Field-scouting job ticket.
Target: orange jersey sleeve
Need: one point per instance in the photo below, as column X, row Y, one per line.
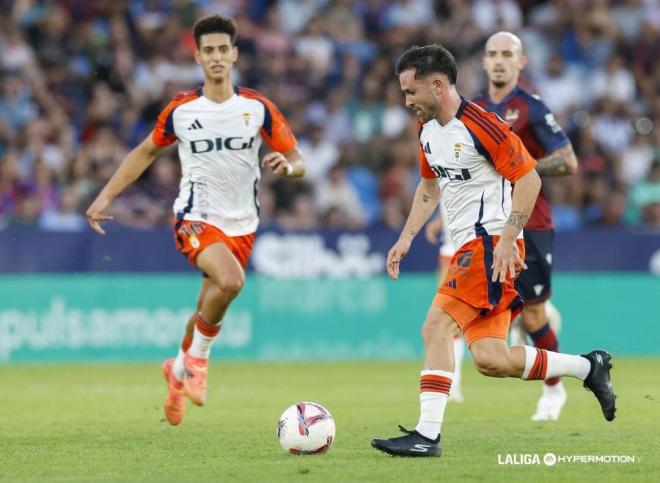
column 495, row 140
column 424, row 167
column 425, row 170
column 163, row 134
column 276, row 130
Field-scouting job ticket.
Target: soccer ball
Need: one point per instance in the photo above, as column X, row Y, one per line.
column 306, row 428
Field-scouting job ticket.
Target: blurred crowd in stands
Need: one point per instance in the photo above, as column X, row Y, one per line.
column 81, row 83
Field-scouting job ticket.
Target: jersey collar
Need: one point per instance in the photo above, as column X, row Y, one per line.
column 506, row 99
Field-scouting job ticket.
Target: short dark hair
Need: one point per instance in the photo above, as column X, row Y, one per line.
column 215, row 24
column 427, row 59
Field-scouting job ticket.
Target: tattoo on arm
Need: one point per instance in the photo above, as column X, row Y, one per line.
column 426, row 197
column 557, row 164
column 517, row 219
column 552, row 166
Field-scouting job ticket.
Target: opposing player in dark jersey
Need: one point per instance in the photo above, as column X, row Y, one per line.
column 219, row 129
column 536, row 126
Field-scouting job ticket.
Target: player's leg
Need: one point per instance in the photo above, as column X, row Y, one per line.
column 534, row 285
column 456, row 394
column 494, row 358
column 178, row 369
column 226, row 278
column 174, row 370
column 535, row 321
column 445, row 254
column 438, row 332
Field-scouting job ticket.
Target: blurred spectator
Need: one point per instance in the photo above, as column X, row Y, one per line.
column 615, row 81
column 393, row 215
column 395, row 116
column 316, row 48
column 611, row 126
column 408, row 13
column 636, row 160
column 559, row 88
column 645, row 197
column 338, row 200
column 494, row 15
column 66, row 216
column 321, row 154
column 17, row 107
column 82, row 82
column 366, row 110
column 27, row 208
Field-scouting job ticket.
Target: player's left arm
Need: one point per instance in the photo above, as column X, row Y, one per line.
column 562, row 160
column 286, row 159
column 290, row 164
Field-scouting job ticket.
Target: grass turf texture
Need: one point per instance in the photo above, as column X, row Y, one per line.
column 104, row 423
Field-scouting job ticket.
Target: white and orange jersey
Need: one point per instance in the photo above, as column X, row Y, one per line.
column 218, row 146
column 475, row 157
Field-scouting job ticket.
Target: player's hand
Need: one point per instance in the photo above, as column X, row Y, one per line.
column 433, row 230
column 278, row 163
column 395, row 255
column 506, row 258
column 95, row 215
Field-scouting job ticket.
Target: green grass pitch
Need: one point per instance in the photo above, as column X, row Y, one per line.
column 104, row 423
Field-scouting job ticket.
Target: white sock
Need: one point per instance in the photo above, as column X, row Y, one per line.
column 178, row 370
column 432, row 404
column 459, row 352
column 542, row 364
column 567, row 365
column 201, row 345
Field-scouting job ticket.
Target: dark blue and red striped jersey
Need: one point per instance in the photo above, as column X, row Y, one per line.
column 536, row 126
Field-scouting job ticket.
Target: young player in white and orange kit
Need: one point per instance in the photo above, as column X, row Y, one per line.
column 473, row 158
column 219, row 130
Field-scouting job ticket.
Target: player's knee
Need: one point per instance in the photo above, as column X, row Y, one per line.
column 435, row 328
column 232, row 285
column 533, row 317
column 490, row 364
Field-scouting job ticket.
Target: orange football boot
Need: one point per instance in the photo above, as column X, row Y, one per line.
column 195, row 381
column 175, row 401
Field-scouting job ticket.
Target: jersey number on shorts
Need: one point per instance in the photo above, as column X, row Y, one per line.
column 197, row 229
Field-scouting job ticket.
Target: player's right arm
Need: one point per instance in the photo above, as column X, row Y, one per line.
column 561, row 160
column 427, row 196
column 130, row 169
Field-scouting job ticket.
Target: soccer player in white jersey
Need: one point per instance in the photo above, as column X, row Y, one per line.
column 473, row 157
column 219, row 130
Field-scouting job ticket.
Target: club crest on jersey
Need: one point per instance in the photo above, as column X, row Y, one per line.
column 457, row 152
column 511, row 115
column 246, row 119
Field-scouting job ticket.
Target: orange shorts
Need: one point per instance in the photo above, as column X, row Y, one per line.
column 191, row 237
column 480, row 307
